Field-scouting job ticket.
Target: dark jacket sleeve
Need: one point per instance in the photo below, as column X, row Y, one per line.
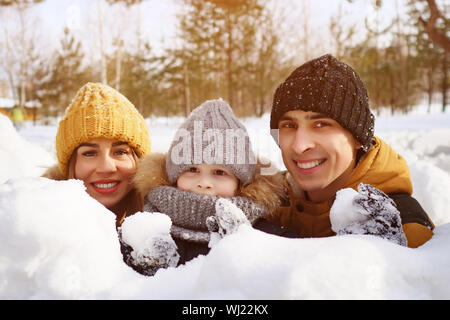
column 410, row 210
column 274, row 228
column 189, row 250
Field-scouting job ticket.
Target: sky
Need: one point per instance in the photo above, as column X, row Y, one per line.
column 158, row 18
column 156, row 21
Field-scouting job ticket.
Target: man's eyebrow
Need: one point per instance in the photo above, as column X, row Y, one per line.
column 287, row 118
column 309, row 116
column 316, row 116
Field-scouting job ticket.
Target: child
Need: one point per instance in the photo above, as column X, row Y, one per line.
column 203, row 165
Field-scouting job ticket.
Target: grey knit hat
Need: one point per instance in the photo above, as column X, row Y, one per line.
column 211, row 135
column 331, row 87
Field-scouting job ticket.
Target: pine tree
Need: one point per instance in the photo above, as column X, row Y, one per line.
column 140, row 81
column 431, row 59
column 228, row 49
column 66, row 75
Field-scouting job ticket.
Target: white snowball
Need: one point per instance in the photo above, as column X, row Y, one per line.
column 136, row 229
column 343, row 212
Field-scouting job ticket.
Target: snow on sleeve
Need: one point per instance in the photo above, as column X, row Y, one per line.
column 148, row 234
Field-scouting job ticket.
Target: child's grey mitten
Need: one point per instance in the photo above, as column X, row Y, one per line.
column 227, row 219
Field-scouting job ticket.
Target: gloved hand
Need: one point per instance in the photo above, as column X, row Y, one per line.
column 227, row 218
column 368, row 211
column 147, row 246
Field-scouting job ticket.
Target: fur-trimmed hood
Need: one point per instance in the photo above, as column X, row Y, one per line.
column 264, row 189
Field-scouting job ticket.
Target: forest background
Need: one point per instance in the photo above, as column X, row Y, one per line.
column 239, row 50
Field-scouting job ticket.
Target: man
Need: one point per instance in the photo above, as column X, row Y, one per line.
column 323, row 125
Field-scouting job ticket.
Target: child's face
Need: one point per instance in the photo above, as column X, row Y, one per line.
column 210, row 180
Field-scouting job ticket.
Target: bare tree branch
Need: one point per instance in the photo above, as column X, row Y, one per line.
column 435, row 35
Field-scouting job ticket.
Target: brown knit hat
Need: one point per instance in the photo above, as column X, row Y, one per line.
column 211, row 129
column 100, row 111
column 331, row 87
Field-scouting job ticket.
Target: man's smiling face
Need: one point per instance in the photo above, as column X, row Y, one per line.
column 317, row 151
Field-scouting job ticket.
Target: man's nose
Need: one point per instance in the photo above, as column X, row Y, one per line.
column 303, row 141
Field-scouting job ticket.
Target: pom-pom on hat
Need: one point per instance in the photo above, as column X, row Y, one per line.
column 99, row 111
column 211, row 135
column 331, row 87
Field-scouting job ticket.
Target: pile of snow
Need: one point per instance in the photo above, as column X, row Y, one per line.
column 58, row 243
column 20, row 158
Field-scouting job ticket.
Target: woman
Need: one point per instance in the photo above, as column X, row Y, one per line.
column 99, row 141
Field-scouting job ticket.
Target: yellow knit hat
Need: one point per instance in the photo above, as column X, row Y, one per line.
column 99, row 111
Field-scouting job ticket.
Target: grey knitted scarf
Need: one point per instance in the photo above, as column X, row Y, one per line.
column 189, row 211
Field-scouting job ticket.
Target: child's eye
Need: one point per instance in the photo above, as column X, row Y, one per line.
column 219, row 172
column 193, row 169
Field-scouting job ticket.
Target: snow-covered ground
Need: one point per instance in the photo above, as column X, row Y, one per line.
column 58, row 243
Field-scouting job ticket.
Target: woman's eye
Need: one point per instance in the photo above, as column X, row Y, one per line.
column 89, row 153
column 121, row 152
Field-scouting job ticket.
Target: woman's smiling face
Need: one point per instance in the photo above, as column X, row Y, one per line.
column 106, row 167
column 318, row 152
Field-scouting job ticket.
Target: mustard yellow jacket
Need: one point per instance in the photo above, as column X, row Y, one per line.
column 382, row 168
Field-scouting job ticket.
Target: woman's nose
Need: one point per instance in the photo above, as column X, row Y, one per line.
column 106, row 164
